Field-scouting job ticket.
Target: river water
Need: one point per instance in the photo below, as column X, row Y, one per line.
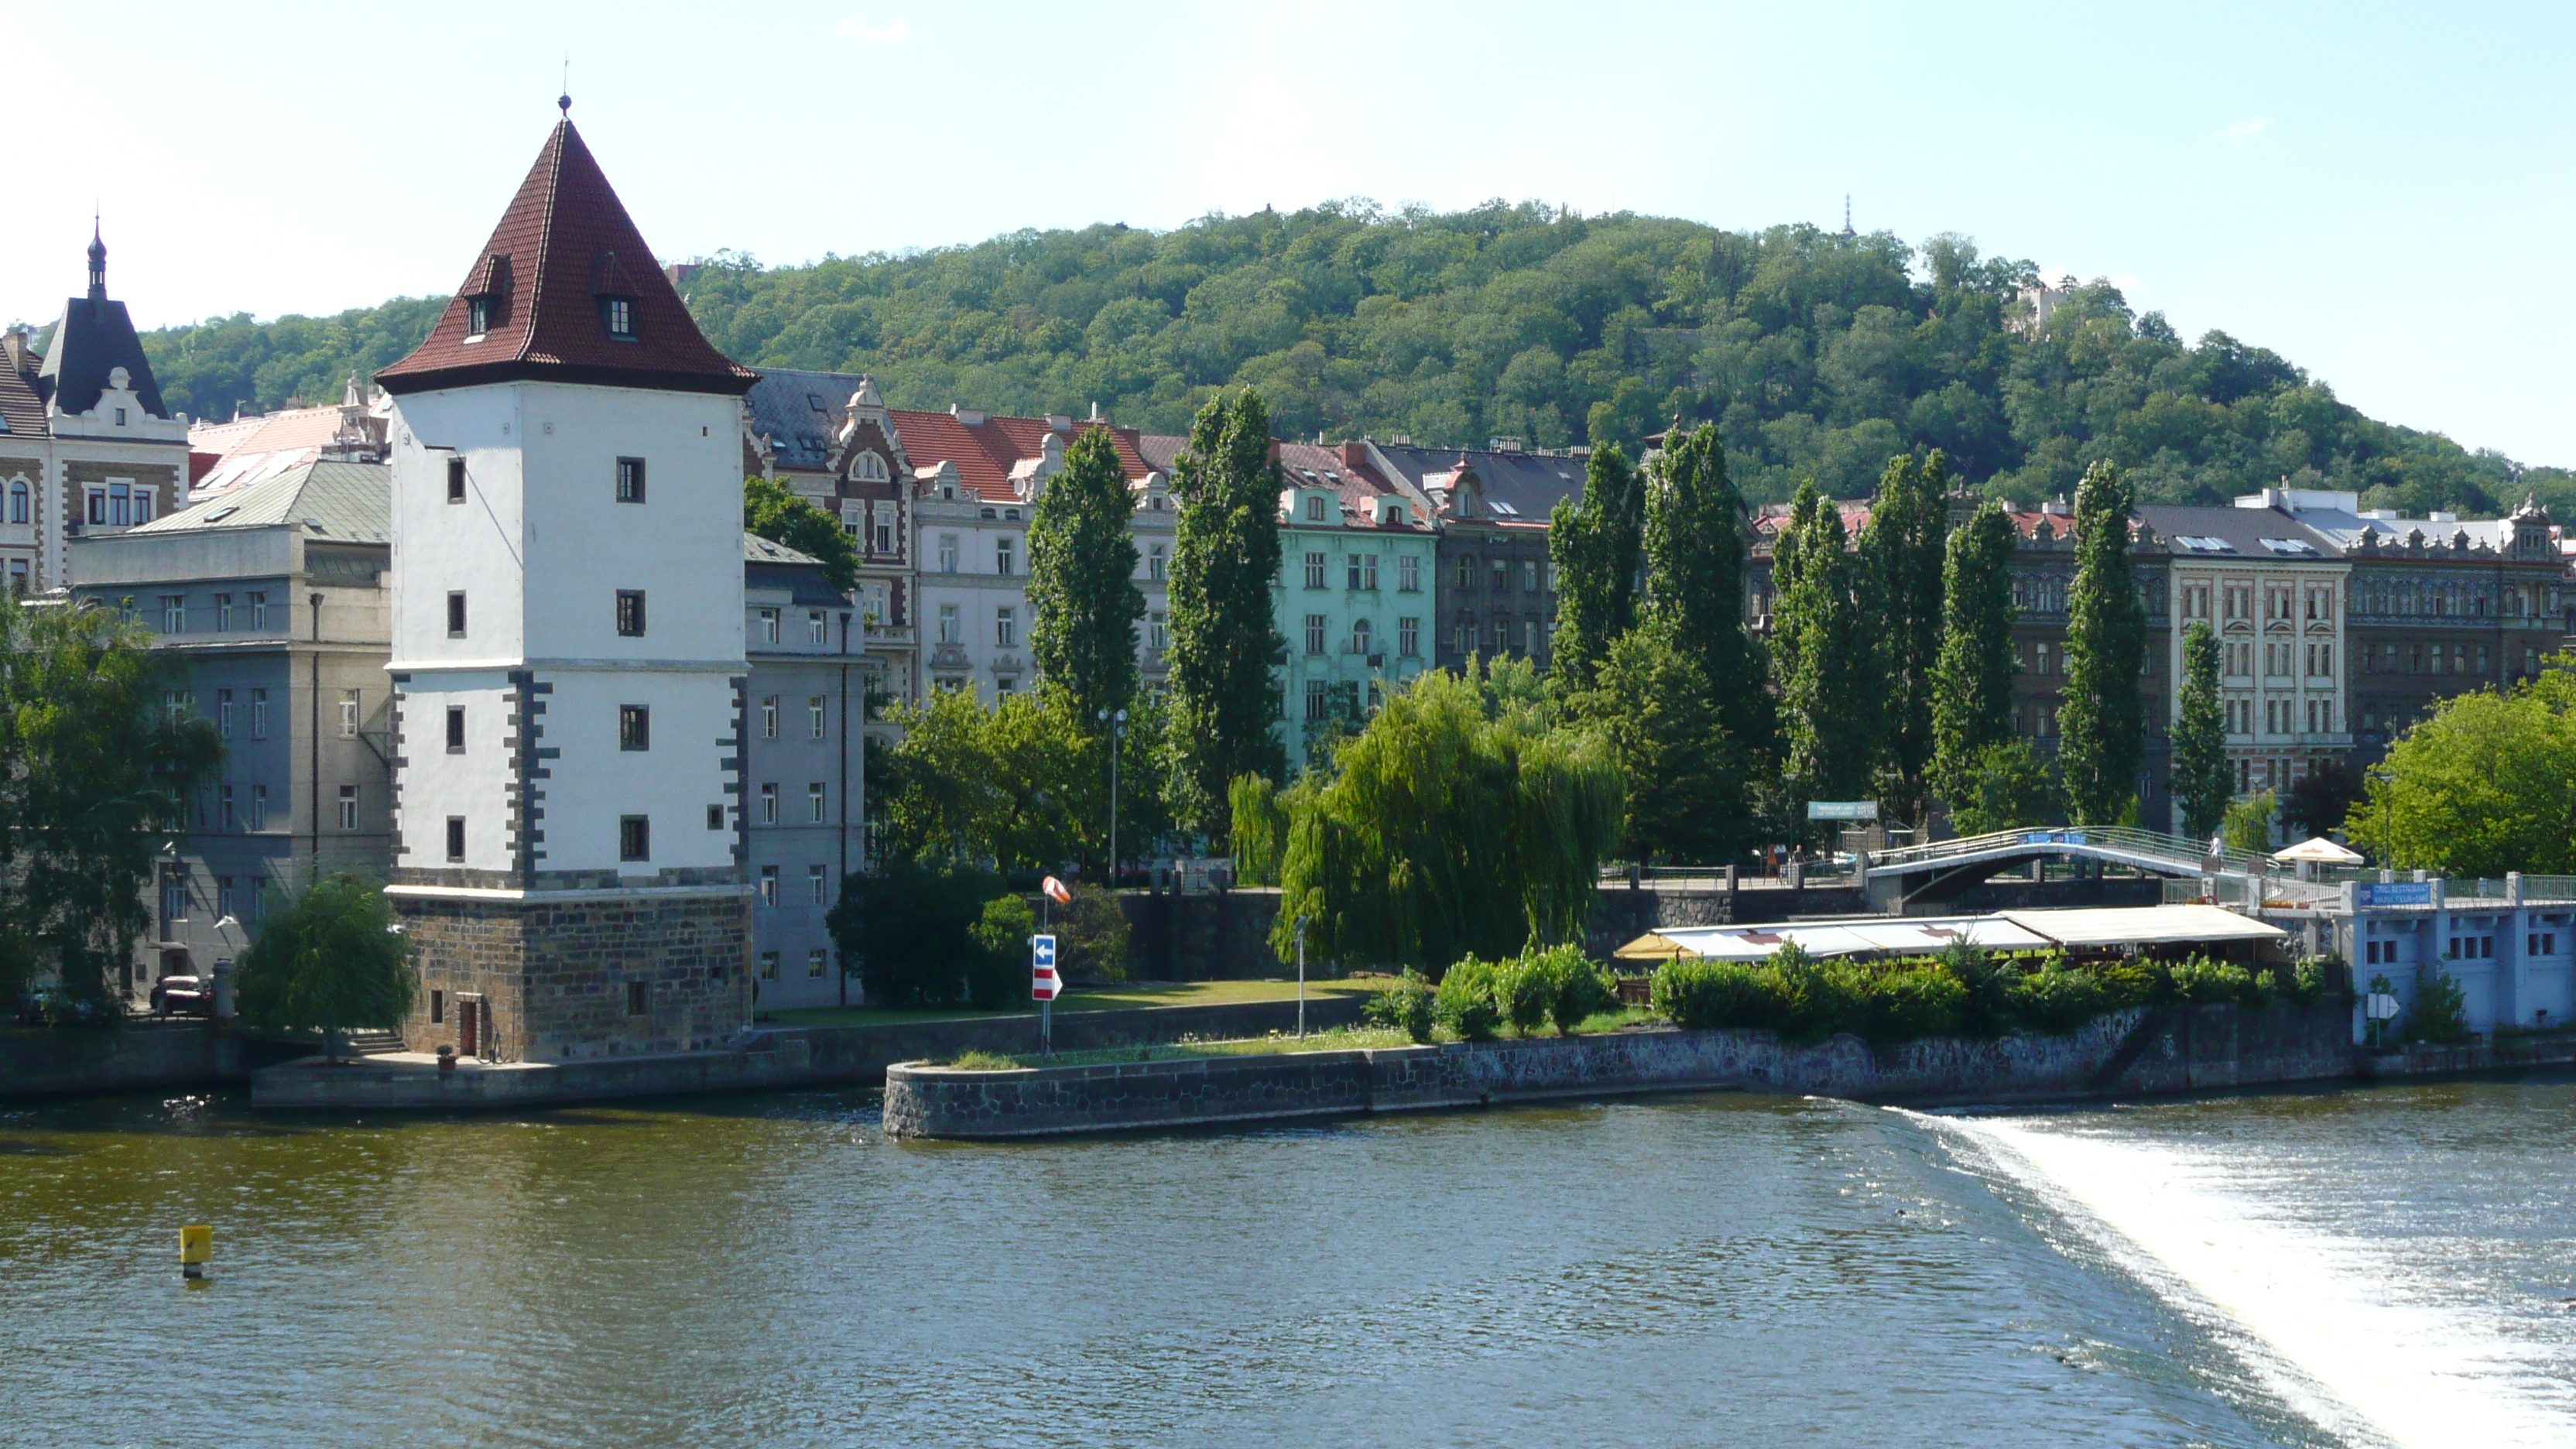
column 2387, row 1266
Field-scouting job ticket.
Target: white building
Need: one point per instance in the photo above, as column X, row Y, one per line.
column 567, row 635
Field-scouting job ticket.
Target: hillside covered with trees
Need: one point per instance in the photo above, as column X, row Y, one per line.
column 1816, row 355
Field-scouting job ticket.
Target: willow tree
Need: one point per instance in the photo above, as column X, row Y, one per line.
column 330, row 962
column 1694, row 544
column 1083, row 599
column 2201, row 779
column 1595, row 541
column 2101, row 723
column 1455, row 827
column 1225, row 556
column 1972, row 680
column 1901, row 551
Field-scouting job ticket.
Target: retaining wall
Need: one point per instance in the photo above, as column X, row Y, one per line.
column 133, row 1054
column 2142, row 1050
column 818, row 1056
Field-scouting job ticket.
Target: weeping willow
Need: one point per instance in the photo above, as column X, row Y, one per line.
column 1260, row 814
column 1453, row 827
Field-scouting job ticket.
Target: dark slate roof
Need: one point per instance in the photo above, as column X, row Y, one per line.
column 564, row 243
column 94, row 338
column 799, row 411
column 1527, row 482
column 2243, row 532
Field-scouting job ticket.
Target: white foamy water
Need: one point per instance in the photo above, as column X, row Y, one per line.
column 2348, row 1332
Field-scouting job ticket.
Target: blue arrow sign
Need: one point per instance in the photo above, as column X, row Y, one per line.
column 1042, row 953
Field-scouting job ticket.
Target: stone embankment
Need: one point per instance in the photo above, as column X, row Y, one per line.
column 131, row 1056
column 813, row 1056
column 2137, row 1051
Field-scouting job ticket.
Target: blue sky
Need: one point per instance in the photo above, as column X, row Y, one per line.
column 2377, row 192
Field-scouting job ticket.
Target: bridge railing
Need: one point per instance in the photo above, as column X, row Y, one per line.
column 2177, row 850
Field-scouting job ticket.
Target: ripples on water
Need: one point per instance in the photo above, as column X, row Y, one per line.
column 1721, row 1271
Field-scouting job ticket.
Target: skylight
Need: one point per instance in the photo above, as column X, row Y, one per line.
column 1505, row 509
column 2291, row 546
column 2205, row 544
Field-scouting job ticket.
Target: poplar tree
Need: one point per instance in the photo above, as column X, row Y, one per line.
column 1901, row 558
column 1972, row 679
column 1225, row 557
column 1595, row 543
column 1832, row 697
column 2202, row 782
column 2101, row 721
column 1083, row 599
column 1694, row 543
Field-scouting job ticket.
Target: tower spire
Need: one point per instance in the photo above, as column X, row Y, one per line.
column 563, row 102
column 1847, row 226
column 97, row 261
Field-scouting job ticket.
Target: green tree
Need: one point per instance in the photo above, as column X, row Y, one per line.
column 2202, row 781
column 1694, row 543
column 1083, row 598
column 1901, row 554
column 2247, row 825
column 1224, row 704
column 1972, row 679
column 95, row 768
column 2484, row 785
column 1091, row 936
column 2006, row 786
column 332, row 961
column 1016, row 785
column 909, row 930
column 1596, row 542
column 2101, row 724
column 1260, row 813
column 1833, row 698
column 773, row 510
column 1654, row 707
column 1458, row 825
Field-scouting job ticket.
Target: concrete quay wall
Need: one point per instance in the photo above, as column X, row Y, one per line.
column 129, row 1056
column 2137, row 1051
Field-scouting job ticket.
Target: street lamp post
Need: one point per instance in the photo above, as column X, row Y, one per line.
column 1117, row 734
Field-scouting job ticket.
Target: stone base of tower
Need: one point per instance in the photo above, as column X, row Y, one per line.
column 579, row 975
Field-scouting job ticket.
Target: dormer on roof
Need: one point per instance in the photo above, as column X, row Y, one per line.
column 566, row 291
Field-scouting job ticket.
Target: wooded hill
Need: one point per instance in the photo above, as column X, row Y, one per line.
column 1818, row 355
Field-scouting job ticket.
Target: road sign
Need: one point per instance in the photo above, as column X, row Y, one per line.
column 1043, row 982
column 2380, row 1006
column 1842, row 810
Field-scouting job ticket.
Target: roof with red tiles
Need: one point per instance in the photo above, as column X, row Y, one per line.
column 563, row 248
column 1345, row 470
column 985, row 448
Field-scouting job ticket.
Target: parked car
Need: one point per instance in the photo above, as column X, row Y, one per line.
column 183, row 996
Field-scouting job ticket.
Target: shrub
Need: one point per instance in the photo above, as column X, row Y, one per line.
column 330, row 961
column 997, row 961
column 1091, row 936
column 1985, row 1003
column 1576, row 987
column 1699, row 995
column 908, row 927
column 1799, row 999
column 2056, row 997
column 2130, row 983
column 1523, row 990
column 1404, row 1006
column 1897, row 1002
column 2203, row 982
column 2441, row 1009
column 1465, row 1001
column 2316, row 978
column 982, row 1061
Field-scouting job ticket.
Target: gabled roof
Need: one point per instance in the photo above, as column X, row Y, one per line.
column 564, row 244
column 22, row 412
column 1360, row 489
column 343, row 502
column 2263, row 534
column 986, row 449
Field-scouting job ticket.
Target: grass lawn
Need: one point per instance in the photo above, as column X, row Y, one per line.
column 1121, row 997
column 1340, row 1039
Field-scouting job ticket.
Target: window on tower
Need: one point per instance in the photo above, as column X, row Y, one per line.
column 630, row 613
column 634, row 837
column 456, row 729
column 456, row 838
column 456, row 614
column 455, row 480
column 630, row 480
column 634, row 727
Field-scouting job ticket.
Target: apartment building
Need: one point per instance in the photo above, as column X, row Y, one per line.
column 1357, row 591
column 1497, row 585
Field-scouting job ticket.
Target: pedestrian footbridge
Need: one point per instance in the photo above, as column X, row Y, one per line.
column 1939, row 871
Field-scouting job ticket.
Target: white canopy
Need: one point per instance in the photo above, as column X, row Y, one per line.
column 1928, row 935
column 2319, row 850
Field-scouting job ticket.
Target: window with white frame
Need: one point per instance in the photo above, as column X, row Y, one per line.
column 818, row 627
column 768, row 802
column 769, row 716
column 174, row 613
column 1315, row 570
column 1408, row 637
column 814, row 713
column 1314, row 633
column 1408, row 574
column 948, row 624
column 814, row 891
column 814, row 803
column 1154, row 562
column 1006, row 627
column 1362, row 637
column 1004, row 551
column 948, row 553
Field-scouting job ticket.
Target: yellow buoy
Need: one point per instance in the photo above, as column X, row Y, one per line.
column 196, row 1249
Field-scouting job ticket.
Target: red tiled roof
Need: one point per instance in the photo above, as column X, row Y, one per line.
column 1346, row 472
column 568, row 241
column 985, row 452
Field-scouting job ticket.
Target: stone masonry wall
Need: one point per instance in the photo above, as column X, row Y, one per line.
column 556, row 975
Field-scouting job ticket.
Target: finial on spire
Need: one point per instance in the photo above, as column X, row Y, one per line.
column 563, row 102
column 1847, row 226
column 97, row 260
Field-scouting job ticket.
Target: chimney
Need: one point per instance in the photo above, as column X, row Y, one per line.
column 1059, row 422
column 14, row 343
column 1355, row 455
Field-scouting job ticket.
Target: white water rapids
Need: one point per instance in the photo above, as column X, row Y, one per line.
column 2346, row 1331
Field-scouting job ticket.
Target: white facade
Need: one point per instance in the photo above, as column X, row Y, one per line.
column 545, row 564
column 2282, row 659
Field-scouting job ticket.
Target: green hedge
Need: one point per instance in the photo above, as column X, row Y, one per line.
column 1962, row 992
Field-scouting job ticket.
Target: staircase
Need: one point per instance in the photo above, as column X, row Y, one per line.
column 374, row 1043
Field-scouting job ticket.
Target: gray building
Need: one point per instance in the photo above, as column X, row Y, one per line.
column 274, row 595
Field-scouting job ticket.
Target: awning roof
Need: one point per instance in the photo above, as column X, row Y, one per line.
column 1928, row 935
column 2320, row 850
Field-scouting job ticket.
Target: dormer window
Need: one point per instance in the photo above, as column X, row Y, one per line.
column 485, row 296
column 871, row 469
column 1314, row 508
column 617, row 314
column 478, row 317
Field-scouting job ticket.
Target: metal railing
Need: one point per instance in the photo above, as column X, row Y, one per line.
column 2174, row 850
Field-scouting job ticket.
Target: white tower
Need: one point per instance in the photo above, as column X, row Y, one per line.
column 567, row 645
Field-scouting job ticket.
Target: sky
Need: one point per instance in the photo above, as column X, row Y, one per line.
column 2374, row 191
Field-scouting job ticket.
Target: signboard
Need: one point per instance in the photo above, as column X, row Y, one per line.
column 2379, row 1006
column 2397, row 893
column 1043, row 982
column 1842, row 810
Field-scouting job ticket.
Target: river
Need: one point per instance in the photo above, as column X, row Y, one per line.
column 2382, row 1266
